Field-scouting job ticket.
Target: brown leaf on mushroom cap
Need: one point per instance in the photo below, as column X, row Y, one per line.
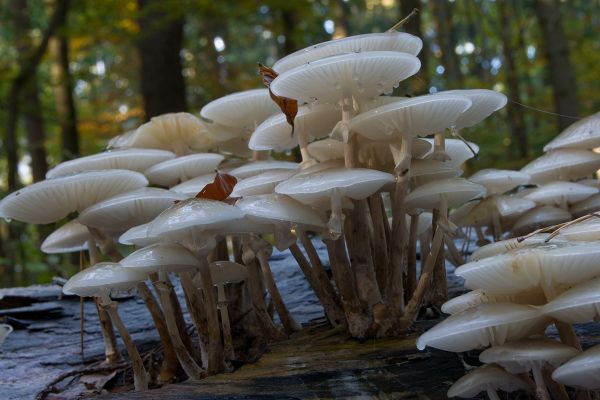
column 219, row 189
column 288, row 106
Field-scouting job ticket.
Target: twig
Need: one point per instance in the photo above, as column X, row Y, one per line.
column 50, row 388
column 403, row 21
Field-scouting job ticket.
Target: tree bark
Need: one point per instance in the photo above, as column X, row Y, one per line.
column 515, row 116
column 446, row 38
column 560, row 70
column 420, row 83
column 63, row 91
column 159, row 45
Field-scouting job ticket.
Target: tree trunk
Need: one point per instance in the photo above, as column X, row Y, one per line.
column 159, row 44
column 27, row 69
column 63, row 91
column 446, row 38
column 420, row 83
column 560, row 70
column 515, row 116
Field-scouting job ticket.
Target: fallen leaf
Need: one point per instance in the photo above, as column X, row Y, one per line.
column 288, row 106
column 219, row 189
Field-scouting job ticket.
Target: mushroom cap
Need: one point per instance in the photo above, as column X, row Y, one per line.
column 181, row 133
column 103, row 276
column 551, row 266
column 554, row 193
column 508, row 209
column 425, row 171
column 280, row 210
column 524, row 355
column 138, row 236
column 50, row 200
column 507, row 245
column 355, row 183
column 587, row 206
column 262, row 183
column 257, row 167
column 194, row 218
column 422, row 115
column 456, row 190
column 360, row 75
column 540, row 217
column 275, row 133
column 584, row 231
column 120, row 141
column 486, row 377
column 498, row 181
column 485, row 102
column 326, row 150
column 583, row 134
column 171, row 172
column 221, row 133
column 582, row 371
column 484, row 325
column 70, row 237
column 193, row 186
column 237, row 147
column 387, row 41
column 245, row 109
column 131, row 159
column 457, row 150
column 576, row 305
column 511, row 206
column 223, row 272
column 168, row 257
column 129, row 209
column 562, row 164
column 534, row 297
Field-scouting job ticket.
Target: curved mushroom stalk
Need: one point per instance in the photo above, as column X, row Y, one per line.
column 439, row 148
column 187, row 362
column 263, row 250
column 307, row 160
column 496, row 223
column 140, row 376
column 492, row 394
column 541, row 390
column 336, row 220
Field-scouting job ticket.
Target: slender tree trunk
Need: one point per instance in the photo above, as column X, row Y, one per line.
column 561, row 73
column 515, row 116
column 420, row 83
column 159, row 44
column 27, row 69
column 446, row 38
column 63, row 90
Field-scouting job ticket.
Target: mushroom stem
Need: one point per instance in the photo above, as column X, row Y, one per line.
column 492, row 394
column 496, row 223
column 456, row 258
column 215, row 348
column 289, row 324
column 187, row 362
column 413, row 306
column 541, row 391
column 439, row 147
column 337, row 218
column 196, row 309
column 399, row 234
column 258, row 302
column 440, row 284
column 481, row 240
column 358, row 322
column 347, row 113
column 411, row 265
column 108, row 334
column 565, row 331
column 425, row 248
column 227, row 339
column 379, row 240
column 140, row 376
column 333, row 311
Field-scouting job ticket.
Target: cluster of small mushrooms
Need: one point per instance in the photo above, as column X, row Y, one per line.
column 370, row 186
column 542, row 269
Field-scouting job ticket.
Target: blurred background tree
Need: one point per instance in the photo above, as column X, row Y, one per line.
column 74, row 73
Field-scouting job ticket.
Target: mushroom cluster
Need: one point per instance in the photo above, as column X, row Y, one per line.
column 369, row 186
column 521, row 286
